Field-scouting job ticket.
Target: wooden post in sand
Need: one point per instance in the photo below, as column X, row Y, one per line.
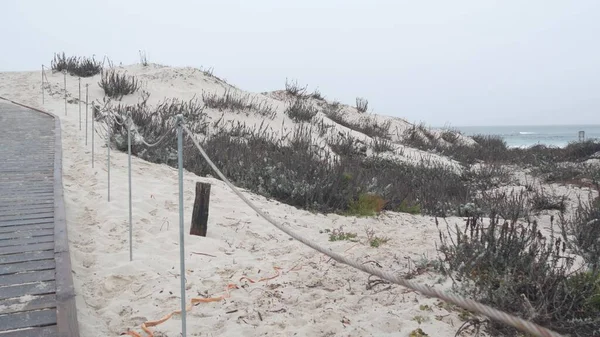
column 200, row 212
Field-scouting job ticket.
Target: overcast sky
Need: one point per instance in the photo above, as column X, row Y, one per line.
column 441, row 62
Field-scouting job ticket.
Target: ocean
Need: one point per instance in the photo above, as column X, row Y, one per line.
column 525, row 136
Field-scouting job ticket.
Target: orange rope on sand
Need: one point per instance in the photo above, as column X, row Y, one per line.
column 277, row 274
column 195, row 301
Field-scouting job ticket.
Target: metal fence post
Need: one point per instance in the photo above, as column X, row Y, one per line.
column 79, row 101
column 65, row 72
column 130, row 207
column 86, row 113
column 181, row 236
column 43, row 99
column 108, row 127
column 93, row 132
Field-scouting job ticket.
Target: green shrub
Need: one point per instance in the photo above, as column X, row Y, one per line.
column 405, row 207
column 582, row 281
column 417, row 333
column 340, row 235
column 366, row 205
column 377, row 241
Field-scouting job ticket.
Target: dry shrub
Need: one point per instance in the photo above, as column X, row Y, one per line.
column 294, row 89
column 362, row 104
column 541, row 201
column 289, row 167
column 76, row 66
column 235, row 101
column 582, row 231
column 301, row 111
column 317, row 95
column 382, row 145
column 346, row 145
column 512, row 267
column 366, row 125
column 450, row 136
column 414, row 137
column 486, row 176
column 143, row 58
column 116, row 84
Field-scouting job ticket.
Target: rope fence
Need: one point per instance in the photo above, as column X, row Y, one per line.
column 182, row 130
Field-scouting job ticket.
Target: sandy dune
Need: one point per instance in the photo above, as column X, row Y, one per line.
column 312, row 296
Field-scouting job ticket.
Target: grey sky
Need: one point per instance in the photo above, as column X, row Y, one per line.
column 458, row 62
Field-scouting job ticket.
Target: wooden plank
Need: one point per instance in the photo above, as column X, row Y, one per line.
column 27, row 209
column 25, row 228
column 39, row 288
column 9, row 206
column 20, row 198
column 27, row 256
column 25, row 186
column 41, row 181
column 27, row 277
column 12, row 268
column 26, row 248
column 4, row 191
column 47, row 331
column 26, row 241
column 22, row 195
column 30, row 178
column 13, row 202
column 28, row 319
column 27, row 216
column 25, row 234
column 28, row 303
column 26, row 222
column 10, row 190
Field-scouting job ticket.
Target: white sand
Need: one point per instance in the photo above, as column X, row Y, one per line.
column 320, row 298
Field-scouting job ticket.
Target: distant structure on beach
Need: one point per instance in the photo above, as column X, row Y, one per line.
column 581, row 136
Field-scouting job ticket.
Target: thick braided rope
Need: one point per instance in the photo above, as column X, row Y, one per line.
column 129, row 121
column 141, row 139
column 468, row 304
column 163, row 137
column 118, row 123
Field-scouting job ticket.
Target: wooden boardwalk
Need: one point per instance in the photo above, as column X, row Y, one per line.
column 36, row 286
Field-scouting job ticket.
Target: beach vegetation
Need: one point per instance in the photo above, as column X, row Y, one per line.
column 76, row 66
column 118, row 84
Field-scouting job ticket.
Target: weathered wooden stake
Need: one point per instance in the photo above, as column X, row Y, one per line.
column 200, row 213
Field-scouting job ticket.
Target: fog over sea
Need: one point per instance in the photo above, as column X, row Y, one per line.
column 525, row 136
